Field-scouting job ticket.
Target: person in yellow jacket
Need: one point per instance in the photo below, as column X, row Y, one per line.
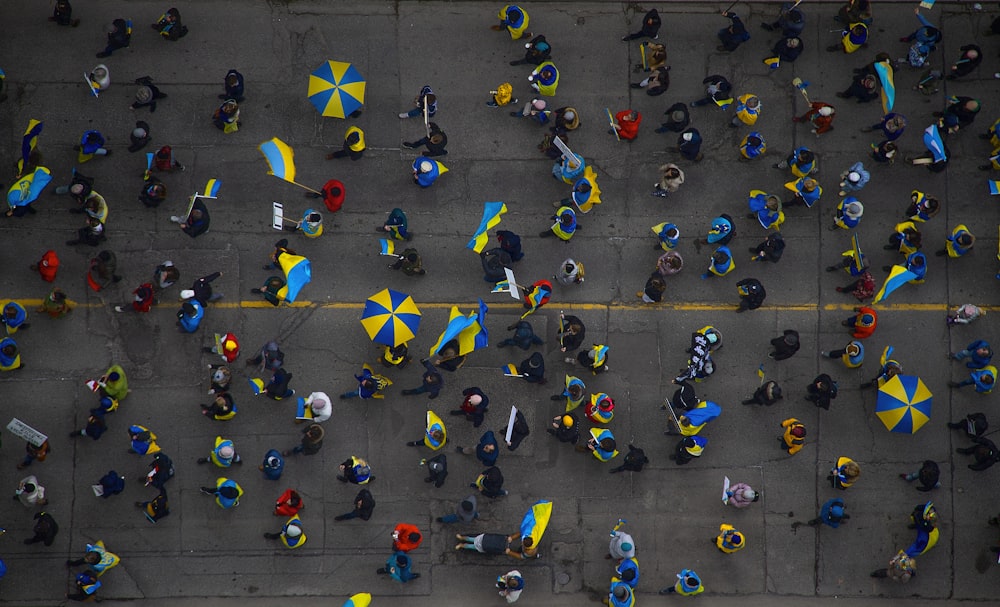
column 747, row 110
column 729, row 539
column 354, row 145
column 794, row 437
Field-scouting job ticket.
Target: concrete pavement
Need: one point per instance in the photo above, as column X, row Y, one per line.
column 201, row 552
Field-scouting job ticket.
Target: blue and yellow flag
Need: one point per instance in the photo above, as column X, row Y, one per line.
column 491, row 217
column 773, row 62
column 298, row 273
column 994, row 187
column 279, row 157
column 898, row 277
column 29, row 142
column 475, row 336
column 888, row 92
column 388, row 247
column 457, row 323
column 502, row 287
column 510, row 370
column 595, row 192
column 212, row 188
column 536, row 521
column 857, row 257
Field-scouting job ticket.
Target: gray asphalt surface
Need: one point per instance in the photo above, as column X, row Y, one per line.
column 205, row 554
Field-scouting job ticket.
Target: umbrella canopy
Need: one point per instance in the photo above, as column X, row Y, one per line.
column 390, row 318
column 362, row 599
column 336, row 89
column 904, row 404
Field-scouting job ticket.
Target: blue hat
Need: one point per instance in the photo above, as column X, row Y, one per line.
column 836, row 512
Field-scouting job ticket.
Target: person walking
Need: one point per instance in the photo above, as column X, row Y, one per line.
column 785, row 346
column 364, row 506
column 832, row 513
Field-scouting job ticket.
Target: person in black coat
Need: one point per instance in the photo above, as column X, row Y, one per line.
column 572, row 332
column 519, row 432
column 752, row 294
column 770, row 250
column 822, row 390
column 118, row 37
column 651, row 23
column 364, row 505
column 45, row 529
column 533, row 369
column 983, row 450
column 785, row 346
column 635, row 459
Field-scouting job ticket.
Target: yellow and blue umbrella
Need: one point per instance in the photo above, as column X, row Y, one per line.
column 361, row 599
column 390, row 318
column 298, row 273
column 536, row 521
column 336, row 89
column 904, row 404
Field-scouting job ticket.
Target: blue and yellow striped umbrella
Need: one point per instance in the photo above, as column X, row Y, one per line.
column 336, row 89
column 904, row 404
column 390, row 318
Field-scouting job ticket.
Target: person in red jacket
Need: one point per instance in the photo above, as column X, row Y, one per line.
column 821, row 115
column 863, row 322
column 627, row 124
column 288, row 504
column 406, row 537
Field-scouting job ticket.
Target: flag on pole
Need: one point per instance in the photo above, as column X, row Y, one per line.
column 994, row 188
column 898, row 276
column 760, row 373
column 510, row 422
column 280, row 158
column 510, row 370
column 491, row 217
column 888, row 92
column 212, row 188
column 388, row 247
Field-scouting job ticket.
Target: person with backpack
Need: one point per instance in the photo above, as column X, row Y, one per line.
column 119, row 36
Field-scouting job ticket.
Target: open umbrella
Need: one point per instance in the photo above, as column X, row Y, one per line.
column 336, row 89
column 390, row 318
column 904, row 404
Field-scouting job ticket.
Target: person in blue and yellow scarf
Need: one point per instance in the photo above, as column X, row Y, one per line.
column 729, row 539
column 354, row 145
column 292, row 536
column 565, row 225
column 514, row 19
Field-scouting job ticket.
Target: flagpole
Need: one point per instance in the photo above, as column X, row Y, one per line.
column 304, row 187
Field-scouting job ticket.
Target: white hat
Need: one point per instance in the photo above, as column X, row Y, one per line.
column 569, row 115
column 293, row 531
column 687, row 136
column 475, row 399
column 825, row 110
column 187, row 294
column 226, row 452
column 139, row 133
column 853, row 177
column 538, row 104
column 426, row 166
column 749, row 493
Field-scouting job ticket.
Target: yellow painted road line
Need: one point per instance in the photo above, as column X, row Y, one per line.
column 614, row 307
